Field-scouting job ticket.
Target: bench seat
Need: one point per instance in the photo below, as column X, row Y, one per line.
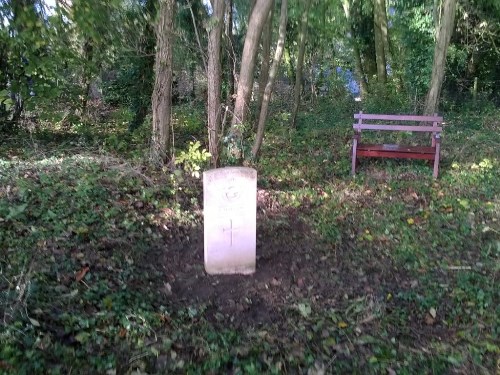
column 396, row 151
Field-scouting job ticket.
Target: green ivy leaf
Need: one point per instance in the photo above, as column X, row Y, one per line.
column 82, row 337
column 15, row 211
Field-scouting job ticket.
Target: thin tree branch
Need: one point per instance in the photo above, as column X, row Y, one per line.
column 203, row 57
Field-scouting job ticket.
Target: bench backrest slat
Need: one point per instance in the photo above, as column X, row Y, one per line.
column 410, row 128
column 369, row 116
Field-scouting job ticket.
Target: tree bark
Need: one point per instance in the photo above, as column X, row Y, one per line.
column 385, row 31
column 88, row 49
column 141, row 98
column 436, row 16
column 231, row 72
column 300, row 62
column 379, row 15
column 214, row 79
column 264, row 67
column 443, row 34
column 358, row 66
column 270, row 82
column 256, row 24
column 162, row 92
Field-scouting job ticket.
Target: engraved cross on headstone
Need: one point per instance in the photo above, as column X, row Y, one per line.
column 231, row 229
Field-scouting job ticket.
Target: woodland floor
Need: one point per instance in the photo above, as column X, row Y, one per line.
column 101, row 258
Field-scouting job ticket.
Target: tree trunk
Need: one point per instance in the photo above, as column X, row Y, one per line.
column 88, row 50
column 256, row 24
column 300, row 62
column 264, row 67
column 358, row 66
column 231, row 71
column 379, row 15
column 443, row 39
column 270, row 82
column 385, row 32
column 290, row 72
column 162, row 92
column 214, row 80
column 141, row 97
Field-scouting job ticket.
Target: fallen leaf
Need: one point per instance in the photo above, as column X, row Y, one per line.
column 72, row 294
column 304, row 309
column 410, row 221
column 342, row 324
column 34, row 322
column 81, row 274
column 300, row 282
column 167, row 289
column 275, row 282
column 82, row 230
column 429, row 320
column 432, row 312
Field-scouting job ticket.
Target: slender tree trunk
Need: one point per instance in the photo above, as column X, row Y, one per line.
column 214, row 79
column 312, row 78
column 272, row 78
column 300, row 61
column 358, row 66
column 197, row 35
column 358, row 70
column 264, row 67
column 88, row 50
column 369, row 59
column 385, row 31
column 231, row 71
column 141, row 98
column 19, row 8
column 443, row 39
column 256, row 24
column 378, row 22
column 162, row 92
column 288, row 64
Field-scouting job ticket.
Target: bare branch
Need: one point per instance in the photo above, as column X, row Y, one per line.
column 203, row 57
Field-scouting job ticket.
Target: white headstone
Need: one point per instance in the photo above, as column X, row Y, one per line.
column 230, row 213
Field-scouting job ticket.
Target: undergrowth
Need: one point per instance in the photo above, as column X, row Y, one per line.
column 414, row 262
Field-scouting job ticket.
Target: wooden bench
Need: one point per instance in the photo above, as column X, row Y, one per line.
column 403, row 123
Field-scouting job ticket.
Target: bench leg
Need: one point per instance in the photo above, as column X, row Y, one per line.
column 436, row 158
column 354, row 156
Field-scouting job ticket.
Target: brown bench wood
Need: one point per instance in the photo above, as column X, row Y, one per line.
column 393, row 150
